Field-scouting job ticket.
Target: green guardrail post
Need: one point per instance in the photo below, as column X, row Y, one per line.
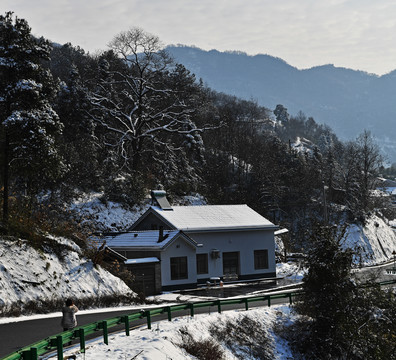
column 81, row 335
column 290, row 298
column 59, row 347
column 30, row 354
column 191, row 309
column 33, row 353
column 169, row 311
column 219, row 306
column 246, row 304
column 105, row 332
column 148, row 315
column 269, row 300
column 126, row 322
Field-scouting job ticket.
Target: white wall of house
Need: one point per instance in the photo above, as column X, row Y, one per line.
column 244, row 242
column 178, row 248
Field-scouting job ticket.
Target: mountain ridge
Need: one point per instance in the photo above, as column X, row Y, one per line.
column 347, row 100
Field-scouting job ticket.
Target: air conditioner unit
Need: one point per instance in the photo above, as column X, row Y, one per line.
column 215, row 254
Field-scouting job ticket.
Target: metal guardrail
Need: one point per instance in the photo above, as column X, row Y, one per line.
column 33, row 351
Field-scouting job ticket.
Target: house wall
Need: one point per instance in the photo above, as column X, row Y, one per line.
column 178, row 248
column 244, row 242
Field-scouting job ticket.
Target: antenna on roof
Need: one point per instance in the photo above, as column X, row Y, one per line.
column 159, row 198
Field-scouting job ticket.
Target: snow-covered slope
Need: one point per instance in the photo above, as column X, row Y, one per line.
column 89, row 210
column 28, row 275
column 375, row 241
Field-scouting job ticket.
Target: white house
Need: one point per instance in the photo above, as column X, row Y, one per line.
column 193, row 244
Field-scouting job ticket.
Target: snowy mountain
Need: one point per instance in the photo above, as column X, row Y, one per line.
column 348, row 101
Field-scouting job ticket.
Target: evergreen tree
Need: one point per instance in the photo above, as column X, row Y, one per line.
column 328, row 293
column 28, row 123
column 281, row 114
column 78, row 147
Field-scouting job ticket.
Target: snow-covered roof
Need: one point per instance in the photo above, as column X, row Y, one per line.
column 141, row 261
column 145, row 239
column 214, row 217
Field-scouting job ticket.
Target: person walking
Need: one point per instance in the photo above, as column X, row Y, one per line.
column 69, row 320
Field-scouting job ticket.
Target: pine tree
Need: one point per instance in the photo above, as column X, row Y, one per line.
column 28, row 123
column 78, row 146
column 328, row 292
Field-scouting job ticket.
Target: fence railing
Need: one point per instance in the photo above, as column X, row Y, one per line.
column 56, row 342
column 31, row 352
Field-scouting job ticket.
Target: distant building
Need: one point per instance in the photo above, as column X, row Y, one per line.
column 387, row 188
column 178, row 247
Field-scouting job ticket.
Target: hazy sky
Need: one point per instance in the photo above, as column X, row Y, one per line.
column 357, row 34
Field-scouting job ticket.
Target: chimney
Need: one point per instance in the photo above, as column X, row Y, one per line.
column 161, row 234
column 159, row 198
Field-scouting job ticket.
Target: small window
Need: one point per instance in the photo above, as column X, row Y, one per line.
column 202, row 264
column 260, row 259
column 179, row 268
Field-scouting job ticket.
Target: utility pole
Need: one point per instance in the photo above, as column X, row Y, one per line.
column 394, row 260
column 325, row 216
column 5, row 179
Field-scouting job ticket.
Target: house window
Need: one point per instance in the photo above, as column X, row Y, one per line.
column 178, row 268
column 202, row 264
column 260, row 259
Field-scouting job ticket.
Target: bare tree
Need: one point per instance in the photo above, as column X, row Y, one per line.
column 370, row 162
column 134, row 103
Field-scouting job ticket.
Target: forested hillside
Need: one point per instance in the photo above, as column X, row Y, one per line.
column 130, row 119
column 347, row 100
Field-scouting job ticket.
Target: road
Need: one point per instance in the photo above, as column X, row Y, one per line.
column 14, row 336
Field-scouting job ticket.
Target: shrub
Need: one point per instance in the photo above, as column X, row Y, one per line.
column 246, row 337
column 203, row 349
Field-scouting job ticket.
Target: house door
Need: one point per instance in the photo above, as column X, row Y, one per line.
column 231, row 263
column 144, row 278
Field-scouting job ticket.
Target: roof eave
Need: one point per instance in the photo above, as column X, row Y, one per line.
column 137, row 248
column 227, row 228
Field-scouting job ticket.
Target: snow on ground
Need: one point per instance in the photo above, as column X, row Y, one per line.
column 376, row 241
column 30, row 275
column 161, row 342
column 293, row 271
column 90, row 210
